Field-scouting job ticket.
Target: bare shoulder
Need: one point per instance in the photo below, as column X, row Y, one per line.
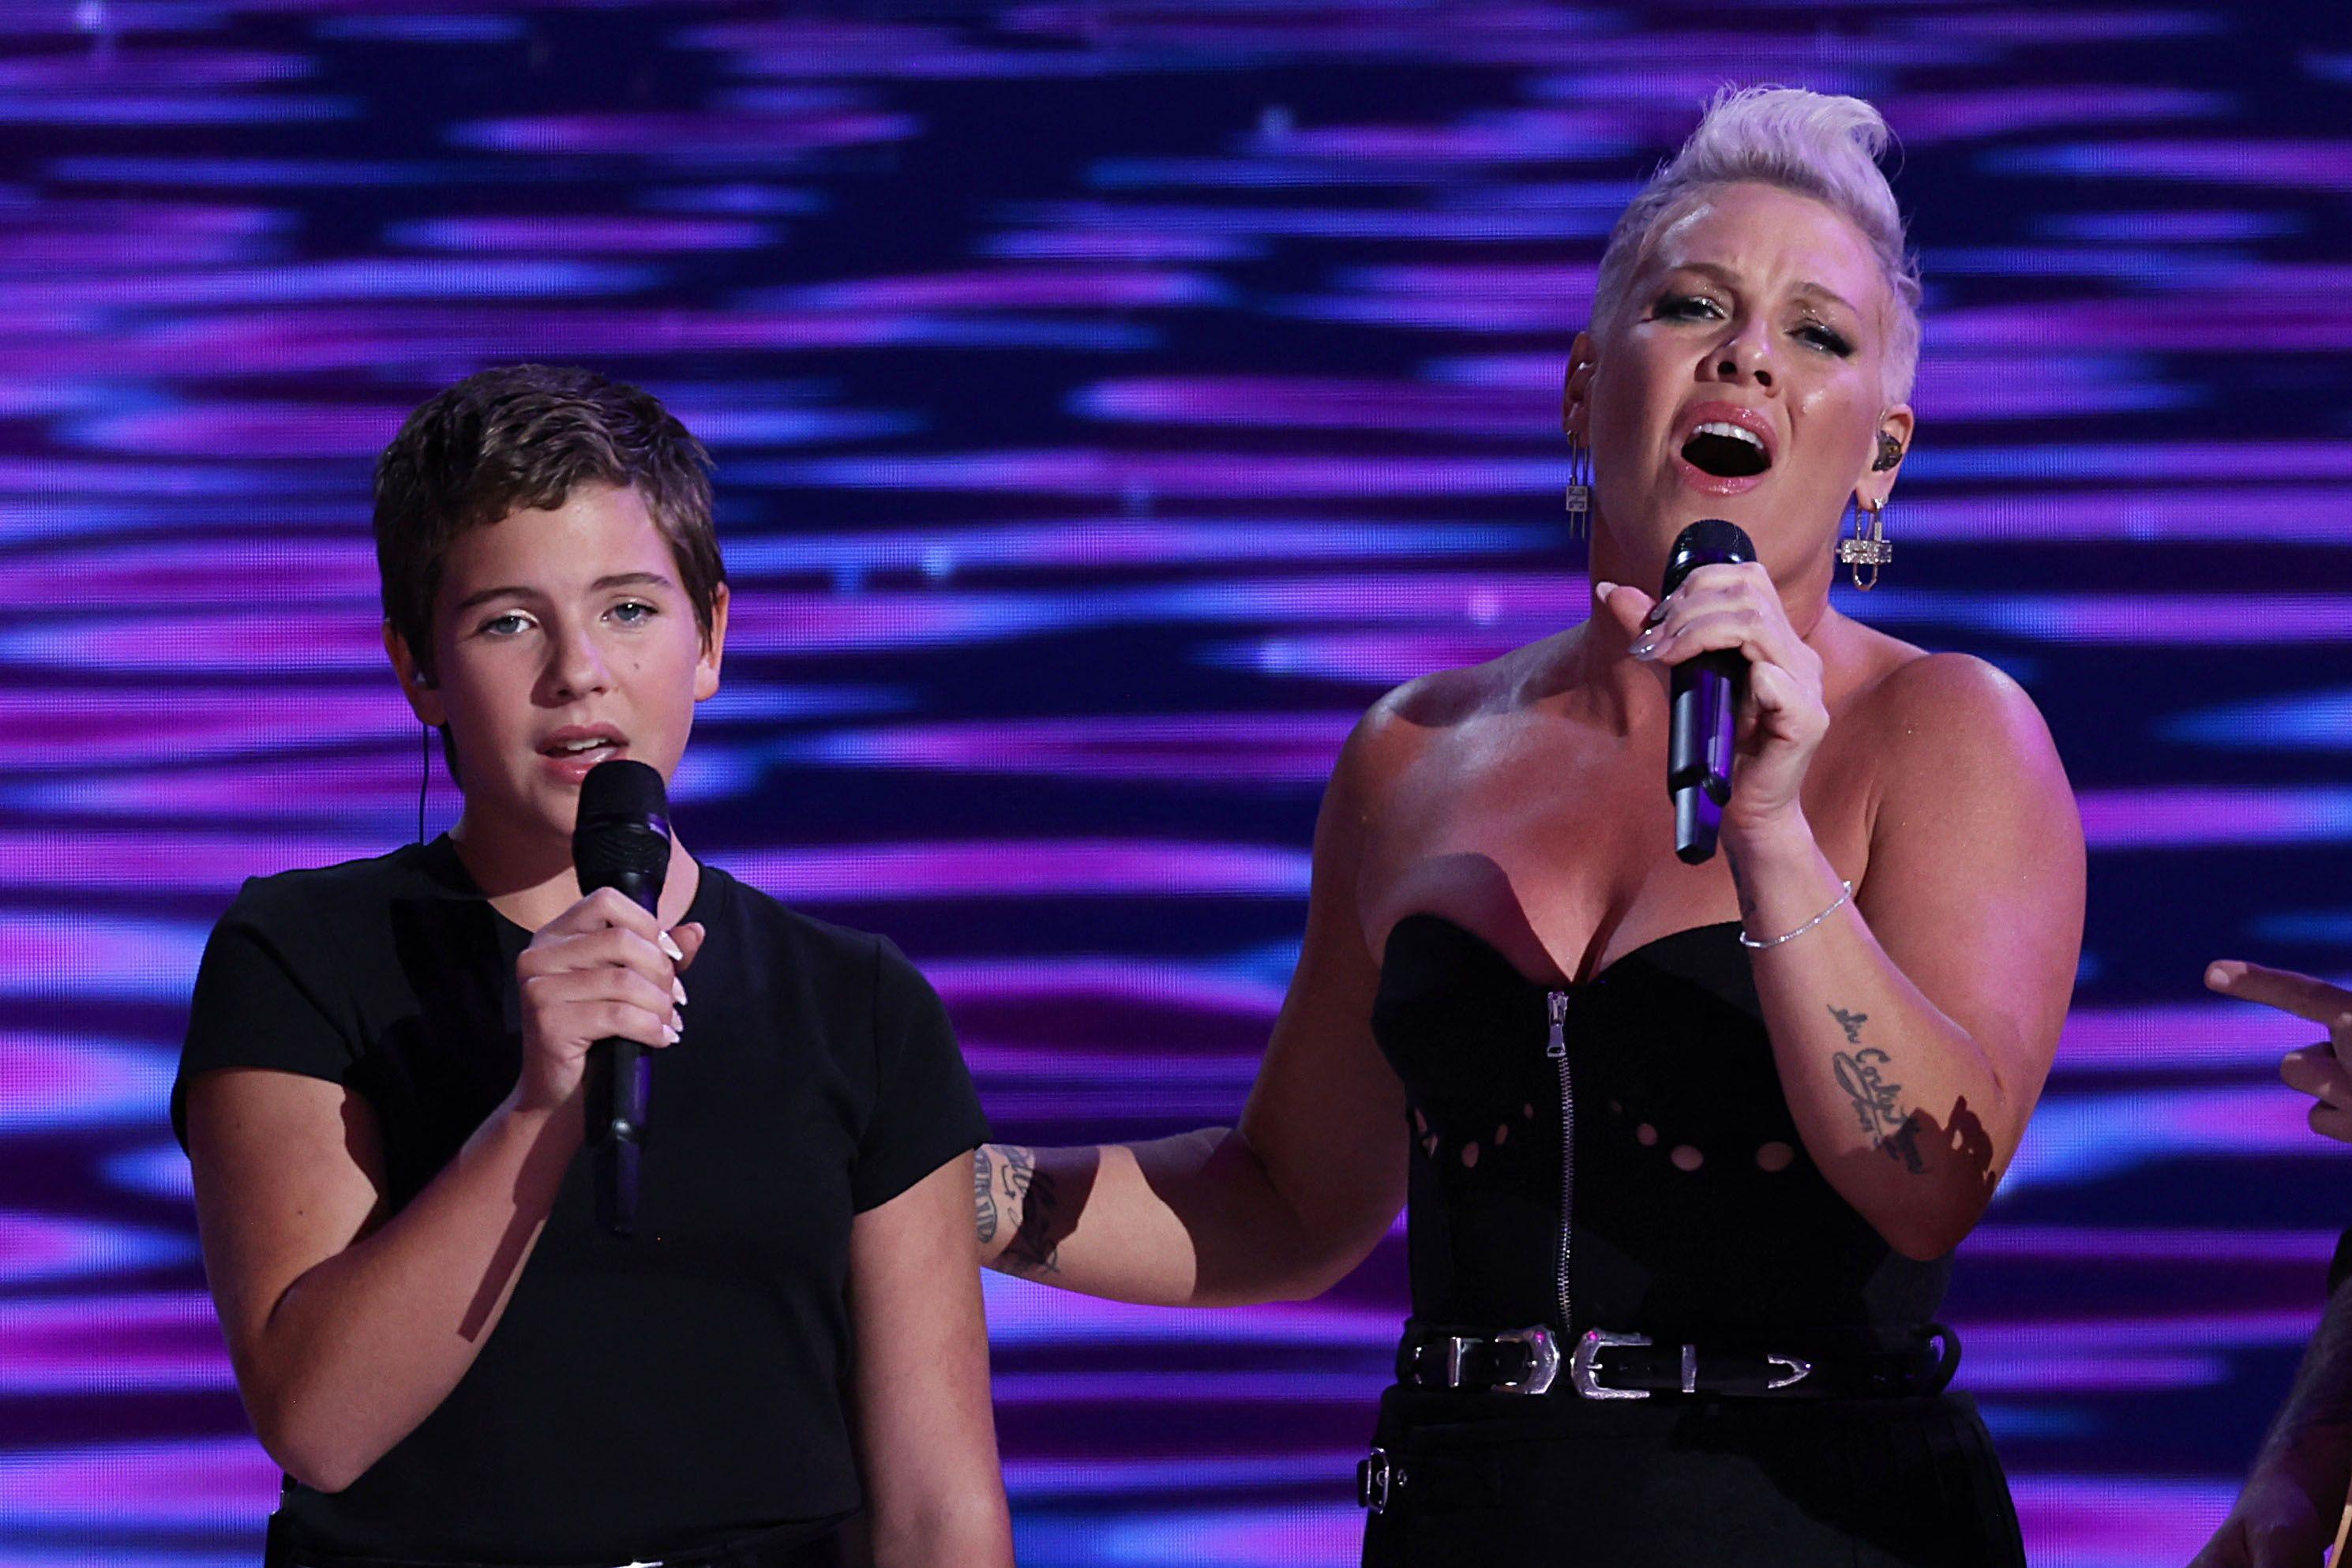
column 1950, row 705
column 1428, row 718
column 1937, row 727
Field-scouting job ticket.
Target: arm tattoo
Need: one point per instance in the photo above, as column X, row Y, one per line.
column 983, row 1195
column 1007, row 1185
column 1033, row 1250
column 1877, row 1106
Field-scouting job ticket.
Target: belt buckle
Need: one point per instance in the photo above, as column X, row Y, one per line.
column 1457, row 1348
column 1373, row 1478
column 1543, row 1361
column 1585, row 1376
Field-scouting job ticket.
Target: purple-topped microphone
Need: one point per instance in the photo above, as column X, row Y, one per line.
column 1706, row 691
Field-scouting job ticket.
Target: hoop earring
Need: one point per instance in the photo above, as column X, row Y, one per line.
column 1580, row 489
column 423, row 774
column 1872, row 549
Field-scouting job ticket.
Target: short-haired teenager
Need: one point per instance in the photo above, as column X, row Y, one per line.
column 381, row 1094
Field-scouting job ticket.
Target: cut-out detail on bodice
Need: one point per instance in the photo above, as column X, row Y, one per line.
column 1696, row 1205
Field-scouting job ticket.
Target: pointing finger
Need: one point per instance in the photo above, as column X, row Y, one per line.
column 2300, row 994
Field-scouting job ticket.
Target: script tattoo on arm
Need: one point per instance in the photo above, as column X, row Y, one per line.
column 1877, row 1105
column 1007, row 1184
column 983, row 1195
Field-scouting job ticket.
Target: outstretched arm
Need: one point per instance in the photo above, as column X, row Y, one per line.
column 1279, row 1207
column 2294, row 1495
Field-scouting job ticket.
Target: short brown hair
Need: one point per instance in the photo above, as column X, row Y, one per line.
column 523, row 436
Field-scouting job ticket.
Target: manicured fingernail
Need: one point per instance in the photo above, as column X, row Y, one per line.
column 2217, row 977
column 1658, row 613
column 1602, row 590
column 669, row 1034
column 672, row 948
column 677, row 990
column 1646, row 649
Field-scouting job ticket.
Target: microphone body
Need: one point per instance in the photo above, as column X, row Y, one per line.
column 622, row 841
column 1705, row 694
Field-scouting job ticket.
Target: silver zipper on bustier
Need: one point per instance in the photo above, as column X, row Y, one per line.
column 1556, row 1048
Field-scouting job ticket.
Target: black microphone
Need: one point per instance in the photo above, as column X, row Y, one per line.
column 1706, row 701
column 621, row 840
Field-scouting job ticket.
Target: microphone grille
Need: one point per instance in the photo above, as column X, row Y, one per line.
column 624, row 826
column 612, row 849
column 622, row 787
column 1710, row 541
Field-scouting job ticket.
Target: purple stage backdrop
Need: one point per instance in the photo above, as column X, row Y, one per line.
column 1111, row 401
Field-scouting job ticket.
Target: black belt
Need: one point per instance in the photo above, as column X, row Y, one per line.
column 806, row 1544
column 1854, row 1364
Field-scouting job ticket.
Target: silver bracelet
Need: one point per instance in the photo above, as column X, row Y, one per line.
column 1748, row 942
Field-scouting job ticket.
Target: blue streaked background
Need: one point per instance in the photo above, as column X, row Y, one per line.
column 1111, row 400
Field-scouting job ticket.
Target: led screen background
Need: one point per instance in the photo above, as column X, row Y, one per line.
column 1111, row 401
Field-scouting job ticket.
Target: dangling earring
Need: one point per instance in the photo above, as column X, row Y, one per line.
column 1872, row 549
column 1580, row 488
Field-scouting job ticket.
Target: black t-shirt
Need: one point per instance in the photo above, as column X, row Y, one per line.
column 639, row 1396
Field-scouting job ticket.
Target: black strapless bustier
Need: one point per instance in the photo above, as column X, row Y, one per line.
column 1617, row 1154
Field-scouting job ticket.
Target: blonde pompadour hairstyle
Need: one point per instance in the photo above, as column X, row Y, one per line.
column 1815, row 144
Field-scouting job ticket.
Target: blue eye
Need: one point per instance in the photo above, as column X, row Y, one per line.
column 506, row 625
column 1687, row 308
column 634, row 612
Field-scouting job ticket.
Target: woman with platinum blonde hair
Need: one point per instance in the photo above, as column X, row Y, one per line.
column 1686, row 1147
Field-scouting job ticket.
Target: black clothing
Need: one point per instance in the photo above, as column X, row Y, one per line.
column 639, row 1397
column 1689, row 1483
column 822, row 1544
column 1692, row 1215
